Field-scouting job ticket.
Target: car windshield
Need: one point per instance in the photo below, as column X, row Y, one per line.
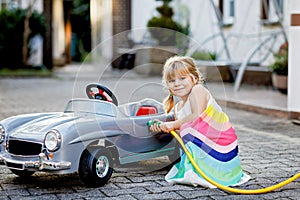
column 91, row 106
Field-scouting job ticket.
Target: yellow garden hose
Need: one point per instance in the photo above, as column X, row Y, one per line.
column 229, row 189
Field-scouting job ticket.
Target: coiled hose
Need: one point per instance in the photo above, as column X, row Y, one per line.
column 226, row 188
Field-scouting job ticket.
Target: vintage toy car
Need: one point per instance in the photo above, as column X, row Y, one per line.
column 91, row 136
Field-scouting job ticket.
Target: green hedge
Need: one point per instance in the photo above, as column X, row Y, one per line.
column 11, row 35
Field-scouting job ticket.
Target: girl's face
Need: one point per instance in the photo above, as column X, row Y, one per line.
column 181, row 85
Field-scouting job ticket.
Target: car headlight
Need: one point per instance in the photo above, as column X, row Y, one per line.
column 2, row 134
column 53, row 140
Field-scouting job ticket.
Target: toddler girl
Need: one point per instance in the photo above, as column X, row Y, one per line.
column 204, row 128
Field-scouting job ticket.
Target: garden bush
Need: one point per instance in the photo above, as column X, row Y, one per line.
column 11, row 35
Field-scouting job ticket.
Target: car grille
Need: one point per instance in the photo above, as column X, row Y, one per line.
column 19, row 147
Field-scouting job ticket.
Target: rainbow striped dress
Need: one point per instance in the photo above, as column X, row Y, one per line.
column 212, row 142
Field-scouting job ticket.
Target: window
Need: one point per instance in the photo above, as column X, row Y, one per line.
column 227, row 11
column 271, row 11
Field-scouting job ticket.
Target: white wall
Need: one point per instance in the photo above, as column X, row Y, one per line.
column 142, row 11
column 203, row 23
column 294, row 60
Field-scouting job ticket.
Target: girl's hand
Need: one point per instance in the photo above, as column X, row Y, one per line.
column 160, row 126
column 168, row 126
column 155, row 126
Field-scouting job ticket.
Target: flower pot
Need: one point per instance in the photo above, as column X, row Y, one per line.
column 150, row 60
column 280, row 82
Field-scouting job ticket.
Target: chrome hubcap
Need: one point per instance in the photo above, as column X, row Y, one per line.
column 102, row 166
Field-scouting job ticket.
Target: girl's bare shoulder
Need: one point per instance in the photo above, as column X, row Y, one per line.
column 200, row 89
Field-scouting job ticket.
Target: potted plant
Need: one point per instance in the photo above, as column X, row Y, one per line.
column 171, row 36
column 204, row 55
column 164, row 29
column 279, row 69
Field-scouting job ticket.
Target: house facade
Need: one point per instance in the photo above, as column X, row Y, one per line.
column 244, row 23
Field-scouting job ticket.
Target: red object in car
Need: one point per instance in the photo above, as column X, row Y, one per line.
column 146, row 110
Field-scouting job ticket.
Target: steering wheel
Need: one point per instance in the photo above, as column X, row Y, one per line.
column 98, row 91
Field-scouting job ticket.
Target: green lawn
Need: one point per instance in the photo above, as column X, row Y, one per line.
column 26, row 72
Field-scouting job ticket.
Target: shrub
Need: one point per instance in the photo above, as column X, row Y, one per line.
column 203, row 55
column 167, row 35
column 11, row 35
column 280, row 64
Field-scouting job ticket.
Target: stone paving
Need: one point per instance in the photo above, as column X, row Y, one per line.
column 269, row 147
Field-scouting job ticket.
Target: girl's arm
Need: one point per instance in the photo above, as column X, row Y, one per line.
column 198, row 101
column 198, row 98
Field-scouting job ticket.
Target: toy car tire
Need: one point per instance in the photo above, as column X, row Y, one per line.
column 95, row 167
column 22, row 173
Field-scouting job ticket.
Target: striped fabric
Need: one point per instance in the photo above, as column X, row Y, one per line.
column 212, row 142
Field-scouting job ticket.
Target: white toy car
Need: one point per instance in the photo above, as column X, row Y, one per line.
column 90, row 136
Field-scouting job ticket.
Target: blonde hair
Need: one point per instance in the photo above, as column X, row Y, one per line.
column 179, row 65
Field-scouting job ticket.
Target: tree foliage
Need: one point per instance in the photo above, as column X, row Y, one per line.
column 11, row 35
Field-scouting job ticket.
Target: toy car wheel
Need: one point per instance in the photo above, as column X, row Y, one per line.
column 95, row 167
column 22, row 173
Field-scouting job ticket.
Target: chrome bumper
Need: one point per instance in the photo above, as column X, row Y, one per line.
column 41, row 164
